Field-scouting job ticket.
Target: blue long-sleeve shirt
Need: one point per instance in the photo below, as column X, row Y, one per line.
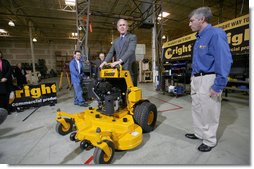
column 75, row 74
column 211, row 53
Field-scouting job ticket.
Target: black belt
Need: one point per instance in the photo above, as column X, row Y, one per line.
column 203, row 74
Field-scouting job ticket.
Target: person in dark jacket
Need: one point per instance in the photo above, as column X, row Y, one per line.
column 96, row 64
column 20, row 74
column 124, row 49
column 5, row 82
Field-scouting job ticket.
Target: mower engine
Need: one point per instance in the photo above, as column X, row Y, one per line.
column 110, row 97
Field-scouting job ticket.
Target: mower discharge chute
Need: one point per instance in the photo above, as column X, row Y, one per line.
column 117, row 123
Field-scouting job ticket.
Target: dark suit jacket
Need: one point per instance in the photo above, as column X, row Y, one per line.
column 126, row 53
column 6, row 87
column 20, row 75
column 96, row 67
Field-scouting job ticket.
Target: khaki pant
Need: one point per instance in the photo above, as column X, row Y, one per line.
column 205, row 109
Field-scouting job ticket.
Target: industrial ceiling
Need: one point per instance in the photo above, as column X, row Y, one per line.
column 52, row 20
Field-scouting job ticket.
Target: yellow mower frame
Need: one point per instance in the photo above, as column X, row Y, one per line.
column 107, row 133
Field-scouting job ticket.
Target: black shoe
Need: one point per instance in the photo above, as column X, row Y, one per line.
column 191, row 136
column 84, row 104
column 204, row 148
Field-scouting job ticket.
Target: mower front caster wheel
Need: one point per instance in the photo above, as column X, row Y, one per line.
column 86, row 145
column 73, row 136
column 63, row 130
column 100, row 156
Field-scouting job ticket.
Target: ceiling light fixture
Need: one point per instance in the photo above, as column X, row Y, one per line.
column 163, row 37
column 11, row 23
column 163, row 15
column 70, row 2
column 34, row 40
column 74, row 34
column 3, row 31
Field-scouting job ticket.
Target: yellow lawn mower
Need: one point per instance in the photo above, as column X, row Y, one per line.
column 117, row 123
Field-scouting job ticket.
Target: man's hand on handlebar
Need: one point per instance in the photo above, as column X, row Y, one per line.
column 115, row 63
column 110, row 65
column 102, row 64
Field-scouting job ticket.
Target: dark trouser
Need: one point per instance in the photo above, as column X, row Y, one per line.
column 4, row 101
column 134, row 73
column 134, row 79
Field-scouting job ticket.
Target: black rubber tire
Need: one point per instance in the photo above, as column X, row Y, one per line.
column 137, row 113
column 147, row 116
column 61, row 130
column 84, row 144
column 99, row 155
column 72, row 136
column 3, row 115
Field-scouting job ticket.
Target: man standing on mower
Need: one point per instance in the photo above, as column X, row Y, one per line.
column 124, row 47
column 76, row 70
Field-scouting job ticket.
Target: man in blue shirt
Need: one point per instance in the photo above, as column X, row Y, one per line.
column 211, row 65
column 76, row 70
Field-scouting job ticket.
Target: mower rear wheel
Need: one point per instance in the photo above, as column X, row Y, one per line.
column 146, row 116
column 137, row 113
column 64, row 130
column 100, row 156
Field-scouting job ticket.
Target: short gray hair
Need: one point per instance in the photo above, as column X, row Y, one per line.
column 202, row 12
column 122, row 20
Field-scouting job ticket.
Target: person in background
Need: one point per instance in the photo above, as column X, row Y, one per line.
column 211, row 64
column 5, row 82
column 20, row 75
column 76, row 71
column 101, row 57
column 124, row 48
column 97, row 64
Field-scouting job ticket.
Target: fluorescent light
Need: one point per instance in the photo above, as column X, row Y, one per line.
column 74, row 34
column 70, row 2
column 3, row 31
column 11, row 23
column 164, row 14
column 34, row 40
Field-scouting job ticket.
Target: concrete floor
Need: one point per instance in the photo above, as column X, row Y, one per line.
column 35, row 141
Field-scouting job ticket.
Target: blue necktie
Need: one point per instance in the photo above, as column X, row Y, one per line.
column 121, row 41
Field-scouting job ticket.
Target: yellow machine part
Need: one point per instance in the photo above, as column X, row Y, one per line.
column 96, row 127
column 118, row 128
column 135, row 95
column 117, row 73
